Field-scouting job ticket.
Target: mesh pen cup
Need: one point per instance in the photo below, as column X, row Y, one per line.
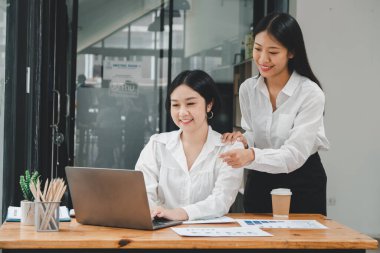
column 47, row 216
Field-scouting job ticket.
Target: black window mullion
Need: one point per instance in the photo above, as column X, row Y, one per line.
column 41, row 34
column 14, row 103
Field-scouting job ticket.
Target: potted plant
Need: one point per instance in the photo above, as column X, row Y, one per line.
column 27, row 205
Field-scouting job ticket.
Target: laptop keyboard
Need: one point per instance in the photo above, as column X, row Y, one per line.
column 160, row 221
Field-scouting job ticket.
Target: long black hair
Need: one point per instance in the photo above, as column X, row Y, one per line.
column 199, row 81
column 286, row 30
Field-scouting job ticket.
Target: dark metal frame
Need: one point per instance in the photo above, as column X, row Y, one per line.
column 41, row 35
column 15, row 116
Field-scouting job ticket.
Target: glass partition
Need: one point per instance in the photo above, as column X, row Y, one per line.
column 119, row 81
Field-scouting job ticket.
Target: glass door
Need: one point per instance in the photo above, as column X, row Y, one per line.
column 121, row 74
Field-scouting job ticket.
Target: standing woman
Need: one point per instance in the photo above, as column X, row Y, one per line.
column 282, row 115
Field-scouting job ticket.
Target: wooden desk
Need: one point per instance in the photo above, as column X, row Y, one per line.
column 73, row 235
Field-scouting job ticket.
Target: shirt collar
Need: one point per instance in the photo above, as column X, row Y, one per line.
column 292, row 84
column 174, row 146
column 262, row 86
column 213, row 139
column 289, row 88
column 173, row 139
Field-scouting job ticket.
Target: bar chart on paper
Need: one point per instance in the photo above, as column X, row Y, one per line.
column 295, row 224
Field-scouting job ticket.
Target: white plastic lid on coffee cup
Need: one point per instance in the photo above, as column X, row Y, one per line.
column 281, row 191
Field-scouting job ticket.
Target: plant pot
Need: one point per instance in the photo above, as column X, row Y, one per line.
column 27, row 212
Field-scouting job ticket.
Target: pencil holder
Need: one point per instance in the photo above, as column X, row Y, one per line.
column 27, row 212
column 46, row 216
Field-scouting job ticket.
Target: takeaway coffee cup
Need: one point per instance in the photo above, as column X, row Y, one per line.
column 281, row 202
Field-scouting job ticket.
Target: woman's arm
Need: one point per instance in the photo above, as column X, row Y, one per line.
column 148, row 164
column 299, row 145
column 223, row 194
column 296, row 148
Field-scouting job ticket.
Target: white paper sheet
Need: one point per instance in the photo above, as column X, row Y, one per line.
column 295, row 224
column 14, row 213
column 223, row 219
column 218, row 232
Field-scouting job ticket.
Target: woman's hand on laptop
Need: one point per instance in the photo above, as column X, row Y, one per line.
column 170, row 214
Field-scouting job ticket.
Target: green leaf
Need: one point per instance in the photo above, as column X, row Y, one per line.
column 25, row 183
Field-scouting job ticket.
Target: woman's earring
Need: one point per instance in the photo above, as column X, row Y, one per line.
column 210, row 115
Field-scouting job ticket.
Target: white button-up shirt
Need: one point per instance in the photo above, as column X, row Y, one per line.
column 284, row 139
column 207, row 190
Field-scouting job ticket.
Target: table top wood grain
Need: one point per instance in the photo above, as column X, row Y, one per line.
column 73, row 235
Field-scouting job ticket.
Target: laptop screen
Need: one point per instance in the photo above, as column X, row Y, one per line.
column 109, row 197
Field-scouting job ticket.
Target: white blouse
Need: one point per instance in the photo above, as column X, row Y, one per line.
column 207, row 190
column 284, row 139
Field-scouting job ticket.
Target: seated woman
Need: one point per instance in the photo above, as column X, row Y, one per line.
column 184, row 177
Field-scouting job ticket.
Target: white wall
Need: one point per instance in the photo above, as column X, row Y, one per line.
column 2, row 89
column 342, row 39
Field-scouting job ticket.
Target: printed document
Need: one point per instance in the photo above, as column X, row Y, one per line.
column 296, row 224
column 222, row 231
column 223, row 219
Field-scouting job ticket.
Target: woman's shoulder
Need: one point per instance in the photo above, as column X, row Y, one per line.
column 164, row 137
column 308, row 88
column 310, row 93
column 249, row 83
column 309, row 85
column 217, row 139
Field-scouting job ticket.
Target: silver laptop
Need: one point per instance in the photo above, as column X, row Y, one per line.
column 111, row 197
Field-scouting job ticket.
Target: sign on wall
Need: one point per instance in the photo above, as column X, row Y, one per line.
column 124, row 78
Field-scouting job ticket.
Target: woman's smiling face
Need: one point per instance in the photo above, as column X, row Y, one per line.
column 188, row 108
column 270, row 56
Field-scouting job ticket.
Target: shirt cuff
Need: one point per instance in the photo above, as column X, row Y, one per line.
column 254, row 163
column 264, row 162
column 192, row 211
